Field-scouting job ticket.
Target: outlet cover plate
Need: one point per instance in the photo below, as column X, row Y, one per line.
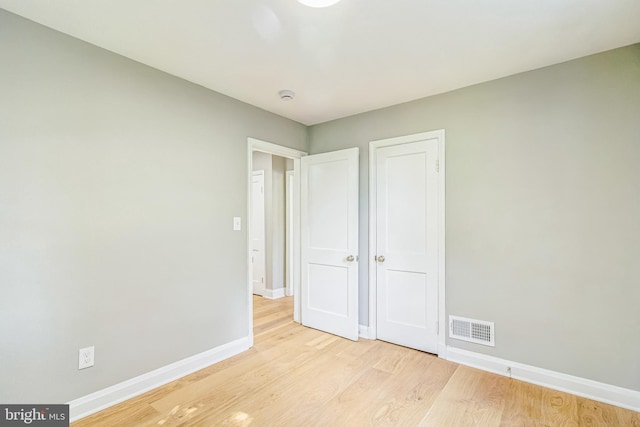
column 86, row 357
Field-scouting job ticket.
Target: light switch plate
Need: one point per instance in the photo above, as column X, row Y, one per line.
column 237, row 223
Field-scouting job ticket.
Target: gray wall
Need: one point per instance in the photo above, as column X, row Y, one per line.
column 542, row 209
column 118, row 184
column 277, row 247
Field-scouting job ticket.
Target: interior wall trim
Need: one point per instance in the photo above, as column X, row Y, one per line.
column 602, row 392
column 273, row 293
column 102, row 399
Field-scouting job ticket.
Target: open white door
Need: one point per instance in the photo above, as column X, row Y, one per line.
column 329, row 242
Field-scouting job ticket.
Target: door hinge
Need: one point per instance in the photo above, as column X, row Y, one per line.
column 438, row 165
column 263, row 280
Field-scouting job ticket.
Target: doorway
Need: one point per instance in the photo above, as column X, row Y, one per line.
column 325, row 200
column 263, row 156
column 269, row 233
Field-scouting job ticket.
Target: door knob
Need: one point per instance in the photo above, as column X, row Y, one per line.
column 380, row 258
column 350, row 258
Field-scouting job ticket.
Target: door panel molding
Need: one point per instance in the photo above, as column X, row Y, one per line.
column 373, row 249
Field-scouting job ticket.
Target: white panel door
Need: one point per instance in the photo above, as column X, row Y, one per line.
column 258, row 254
column 329, row 242
column 407, row 244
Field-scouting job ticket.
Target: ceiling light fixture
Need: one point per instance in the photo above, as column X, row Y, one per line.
column 318, row 3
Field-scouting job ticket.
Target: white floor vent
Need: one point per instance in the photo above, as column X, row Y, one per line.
column 476, row 331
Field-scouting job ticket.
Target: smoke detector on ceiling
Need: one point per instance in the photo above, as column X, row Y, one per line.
column 287, row 95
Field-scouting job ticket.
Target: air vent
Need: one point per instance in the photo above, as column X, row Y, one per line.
column 476, row 331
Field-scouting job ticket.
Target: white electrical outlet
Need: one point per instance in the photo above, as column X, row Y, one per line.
column 237, row 223
column 85, row 357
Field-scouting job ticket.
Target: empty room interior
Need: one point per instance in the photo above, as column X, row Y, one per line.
column 270, row 212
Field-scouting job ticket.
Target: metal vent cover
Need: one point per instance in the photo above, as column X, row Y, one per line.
column 475, row 331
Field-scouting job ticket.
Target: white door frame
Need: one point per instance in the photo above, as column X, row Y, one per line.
column 289, row 153
column 373, row 146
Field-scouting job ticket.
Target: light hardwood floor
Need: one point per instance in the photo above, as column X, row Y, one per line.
column 296, row 376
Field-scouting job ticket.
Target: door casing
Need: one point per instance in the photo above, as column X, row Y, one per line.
column 373, row 146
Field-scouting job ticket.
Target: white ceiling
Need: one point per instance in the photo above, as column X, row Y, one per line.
column 356, row 56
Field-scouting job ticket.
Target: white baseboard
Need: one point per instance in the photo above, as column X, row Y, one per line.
column 102, row 399
column 618, row 396
column 366, row 332
column 273, row 293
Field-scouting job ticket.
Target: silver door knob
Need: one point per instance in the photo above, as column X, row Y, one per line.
column 351, row 258
column 380, row 258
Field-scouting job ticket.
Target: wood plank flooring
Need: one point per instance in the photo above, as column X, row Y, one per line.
column 296, row 376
